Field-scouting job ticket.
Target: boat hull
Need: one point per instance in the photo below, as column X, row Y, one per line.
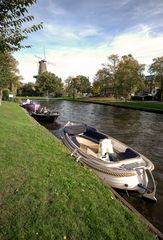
column 138, row 178
column 45, row 118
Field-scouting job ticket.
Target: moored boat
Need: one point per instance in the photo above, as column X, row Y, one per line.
column 119, row 165
column 31, row 106
column 45, row 116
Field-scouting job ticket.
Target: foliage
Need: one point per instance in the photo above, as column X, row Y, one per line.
column 83, row 84
column 27, row 89
column 129, row 76
column 6, row 92
column 77, row 85
column 111, row 67
column 45, row 194
column 156, row 68
column 48, row 82
column 9, row 77
column 104, row 82
column 137, row 98
column 70, row 86
column 13, row 15
column 96, row 88
column 17, row 100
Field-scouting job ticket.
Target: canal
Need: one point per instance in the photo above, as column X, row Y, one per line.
column 141, row 130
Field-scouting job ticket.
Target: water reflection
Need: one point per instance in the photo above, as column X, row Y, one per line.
column 141, row 130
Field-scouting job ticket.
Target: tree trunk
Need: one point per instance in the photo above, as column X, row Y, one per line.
column 0, row 96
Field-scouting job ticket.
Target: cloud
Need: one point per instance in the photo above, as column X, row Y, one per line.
column 72, row 61
column 64, row 32
column 88, row 31
column 140, row 42
column 68, row 32
column 54, row 9
column 150, row 11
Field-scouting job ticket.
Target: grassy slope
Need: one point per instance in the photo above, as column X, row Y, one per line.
column 45, row 194
column 142, row 105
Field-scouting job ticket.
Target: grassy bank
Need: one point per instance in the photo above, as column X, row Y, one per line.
column 45, row 194
column 148, row 106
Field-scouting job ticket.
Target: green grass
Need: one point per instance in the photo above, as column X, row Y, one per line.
column 45, row 194
column 139, row 105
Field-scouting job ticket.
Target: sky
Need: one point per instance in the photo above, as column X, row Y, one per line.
column 78, row 36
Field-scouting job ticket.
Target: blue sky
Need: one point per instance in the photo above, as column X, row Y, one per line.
column 79, row 35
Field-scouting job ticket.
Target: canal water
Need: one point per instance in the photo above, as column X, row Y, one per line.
column 141, row 130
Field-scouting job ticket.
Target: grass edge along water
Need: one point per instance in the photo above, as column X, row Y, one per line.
column 45, row 194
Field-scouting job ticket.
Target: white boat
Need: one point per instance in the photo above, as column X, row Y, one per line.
column 121, row 166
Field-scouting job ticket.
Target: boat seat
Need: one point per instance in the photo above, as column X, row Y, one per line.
column 129, row 153
column 90, row 152
column 93, row 135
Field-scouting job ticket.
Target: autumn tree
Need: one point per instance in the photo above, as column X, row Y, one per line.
column 129, row 76
column 156, row 68
column 49, row 83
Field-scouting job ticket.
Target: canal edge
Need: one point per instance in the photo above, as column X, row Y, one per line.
column 150, row 226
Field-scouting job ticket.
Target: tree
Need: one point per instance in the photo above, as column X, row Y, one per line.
column 129, row 76
column 83, row 84
column 13, row 14
column 101, row 84
column 104, row 81
column 28, row 89
column 111, row 66
column 79, row 84
column 49, row 83
column 9, row 77
column 157, row 69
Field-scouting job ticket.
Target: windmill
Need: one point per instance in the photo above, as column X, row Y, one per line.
column 43, row 68
column 43, row 64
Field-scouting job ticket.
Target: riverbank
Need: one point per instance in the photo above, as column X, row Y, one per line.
column 45, row 194
column 147, row 106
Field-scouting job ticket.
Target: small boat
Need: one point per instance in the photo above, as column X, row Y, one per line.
column 31, row 106
column 45, row 116
column 118, row 164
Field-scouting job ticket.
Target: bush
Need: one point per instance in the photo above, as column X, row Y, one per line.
column 148, row 98
column 137, row 98
column 17, row 100
column 6, row 92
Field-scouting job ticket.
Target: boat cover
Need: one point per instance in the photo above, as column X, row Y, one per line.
column 75, row 129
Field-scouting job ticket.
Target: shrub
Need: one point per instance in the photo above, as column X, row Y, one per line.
column 137, row 98
column 17, row 100
column 6, row 92
column 148, row 98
